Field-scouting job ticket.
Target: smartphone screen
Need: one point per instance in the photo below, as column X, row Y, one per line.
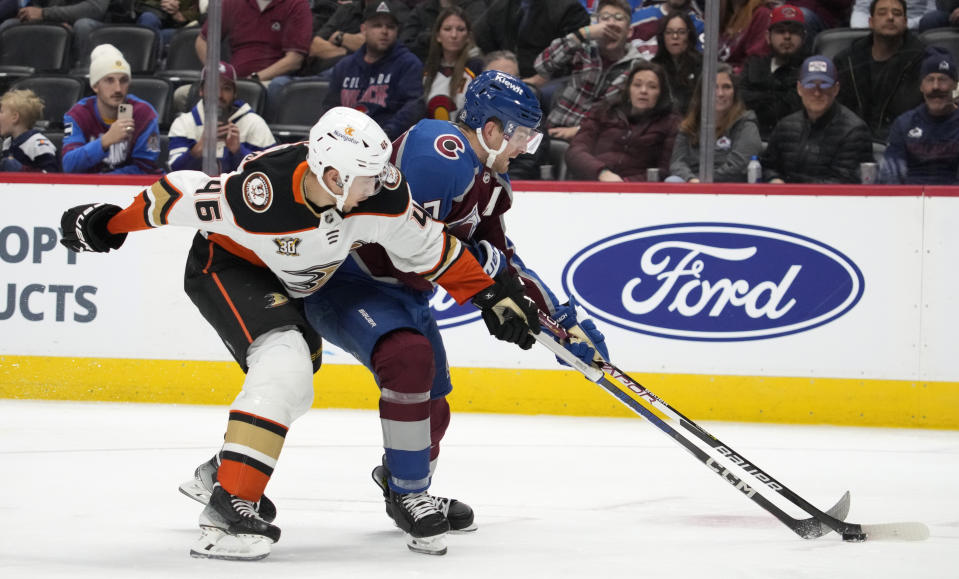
column 125, row 111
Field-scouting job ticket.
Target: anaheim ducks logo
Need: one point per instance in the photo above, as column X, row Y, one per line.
column 257, row 192
column 275, row 300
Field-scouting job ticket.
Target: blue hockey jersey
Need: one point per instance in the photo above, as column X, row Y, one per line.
column 448, row 180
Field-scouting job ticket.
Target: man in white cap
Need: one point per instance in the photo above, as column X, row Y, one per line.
column 97, row 137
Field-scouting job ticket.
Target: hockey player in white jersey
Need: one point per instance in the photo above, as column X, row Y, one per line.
column 270, row 232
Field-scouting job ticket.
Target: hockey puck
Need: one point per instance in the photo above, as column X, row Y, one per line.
column 854, row 537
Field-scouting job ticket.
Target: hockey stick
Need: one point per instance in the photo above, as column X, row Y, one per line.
column 819, row 524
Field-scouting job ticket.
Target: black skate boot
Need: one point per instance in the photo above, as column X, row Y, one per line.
column 417, row 516
column 200, row 486
column 230, row 529
column 458, row 513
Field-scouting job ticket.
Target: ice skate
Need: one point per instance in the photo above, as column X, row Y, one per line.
column 458, row 513
column 231, row 529
column 417, row 516
column 200, row 486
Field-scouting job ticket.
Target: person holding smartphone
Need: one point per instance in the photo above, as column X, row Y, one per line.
column 240, row 131
column 111, row 131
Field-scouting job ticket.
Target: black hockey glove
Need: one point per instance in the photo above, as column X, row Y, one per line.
column 84, row 228
column 509, row 314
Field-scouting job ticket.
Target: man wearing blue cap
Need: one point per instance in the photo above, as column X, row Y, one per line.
column 924, row 142
column 824, row 142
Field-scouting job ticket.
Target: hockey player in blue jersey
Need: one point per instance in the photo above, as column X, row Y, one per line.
column 457, row 172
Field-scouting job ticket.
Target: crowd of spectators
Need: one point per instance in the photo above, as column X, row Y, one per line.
column 619, row 81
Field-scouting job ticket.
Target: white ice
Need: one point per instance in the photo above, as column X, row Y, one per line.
column 89, row 490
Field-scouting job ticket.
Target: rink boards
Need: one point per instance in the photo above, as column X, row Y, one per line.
column 811, row 304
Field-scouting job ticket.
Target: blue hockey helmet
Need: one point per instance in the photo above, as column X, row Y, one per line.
column 495, row 94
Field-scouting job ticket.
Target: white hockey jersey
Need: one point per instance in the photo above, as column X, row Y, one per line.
column 260, row 213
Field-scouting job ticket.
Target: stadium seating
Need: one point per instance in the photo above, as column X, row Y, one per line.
column 946, row 38
column 182, row 64
column 59, row 93
column 137, row 43
column 159, row 93
column 33, row 48
column 300, row 105
column 832, row 41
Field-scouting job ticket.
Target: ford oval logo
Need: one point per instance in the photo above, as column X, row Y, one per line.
column 713, row 281
column 448, row 313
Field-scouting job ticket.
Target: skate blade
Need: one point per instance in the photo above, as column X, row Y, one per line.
column 196, row 491
column 215, row 543
column 465, row 530
column 435, row 545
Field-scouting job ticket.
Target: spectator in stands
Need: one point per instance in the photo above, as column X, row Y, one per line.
column 677, row 54
column 879, row 74
column 945, row 14
column 383, row 78
column 415, row 31
column 166, row 16
column 449, row 66
column 341, row 34
column 743, row 29
column 96, row 139
column 916, row 11
column 823, row 143
column 80, row 16
column 240, row 131
column 598, row 56
column 24, row 148
column 646, row 24
column 737, row 136
column 620, row 142
column 527, row 27
column 924, row 142
column 818, row 15
column 768, row 83
column 264, row 42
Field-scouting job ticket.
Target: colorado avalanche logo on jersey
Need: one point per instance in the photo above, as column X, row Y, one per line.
column 450, row 146
column 258, row 192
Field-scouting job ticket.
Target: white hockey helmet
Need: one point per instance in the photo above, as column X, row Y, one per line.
column 353, row 144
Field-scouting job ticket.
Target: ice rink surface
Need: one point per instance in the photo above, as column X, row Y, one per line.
column 89, row 490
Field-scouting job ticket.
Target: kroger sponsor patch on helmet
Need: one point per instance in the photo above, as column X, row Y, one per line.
column 257, row 192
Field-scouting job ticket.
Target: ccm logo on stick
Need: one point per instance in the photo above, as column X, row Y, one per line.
column 713, row 281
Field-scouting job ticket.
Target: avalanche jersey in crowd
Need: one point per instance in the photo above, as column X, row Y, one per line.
column 31, row 151
column 389, row 90
column 82, row 152
column 260, row 213
column 448, row 180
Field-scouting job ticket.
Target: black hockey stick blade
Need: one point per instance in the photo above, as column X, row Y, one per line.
column 821, row 523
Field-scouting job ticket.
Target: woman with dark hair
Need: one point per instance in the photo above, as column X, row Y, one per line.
column 451, row 64
column 737, row 135
column 622, row 141
column 679, row 57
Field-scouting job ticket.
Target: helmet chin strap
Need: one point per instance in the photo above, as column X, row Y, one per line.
column 340, row 200
column 491, row 154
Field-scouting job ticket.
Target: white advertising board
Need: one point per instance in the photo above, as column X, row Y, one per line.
column 777, row 285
